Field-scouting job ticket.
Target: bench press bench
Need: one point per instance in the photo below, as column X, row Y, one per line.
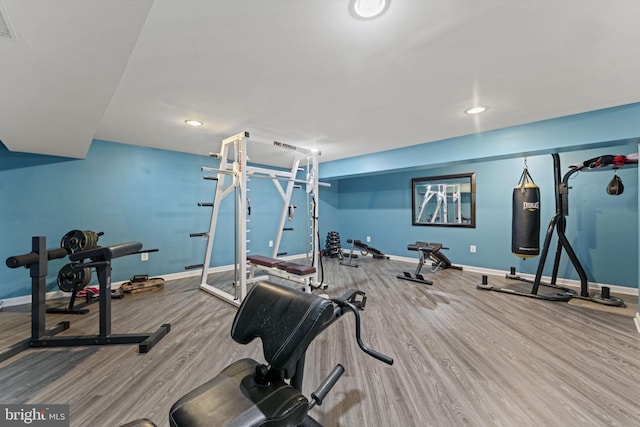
column 299, row 273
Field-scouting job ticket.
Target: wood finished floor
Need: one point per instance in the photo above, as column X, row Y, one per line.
column 463, row 357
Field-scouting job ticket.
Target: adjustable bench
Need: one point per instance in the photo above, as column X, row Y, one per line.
column 429, row 251
column 292, row 271
column 364, row 250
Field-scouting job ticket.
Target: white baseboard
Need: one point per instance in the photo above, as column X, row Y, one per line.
column 637, row 320
column 624, row 290
column 26, row 299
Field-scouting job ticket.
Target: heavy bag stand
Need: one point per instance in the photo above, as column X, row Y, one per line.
column 36, row 262
column 558, row 223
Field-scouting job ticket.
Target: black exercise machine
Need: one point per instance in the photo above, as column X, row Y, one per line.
column 249, row 393
column 364, row 251
column 100, row 259
column 428, row 251
column 551, row 291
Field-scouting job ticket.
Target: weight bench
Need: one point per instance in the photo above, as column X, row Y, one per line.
column 292, row 271
column 428, row 251
column 364, row 250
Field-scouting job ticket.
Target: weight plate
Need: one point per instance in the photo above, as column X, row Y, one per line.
column 79, row 240
column 72, row 279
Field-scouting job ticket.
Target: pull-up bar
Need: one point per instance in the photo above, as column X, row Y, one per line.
column 265, row 141
column 263, row 173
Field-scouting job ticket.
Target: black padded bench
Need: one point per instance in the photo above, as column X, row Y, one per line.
column 431, row 251
column 289, row 267
column 298, row 269
column 364, row 250
column 425, row 247
column 292, row 271
column 264, row 260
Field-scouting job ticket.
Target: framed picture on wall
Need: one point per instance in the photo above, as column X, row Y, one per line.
column 444, row 201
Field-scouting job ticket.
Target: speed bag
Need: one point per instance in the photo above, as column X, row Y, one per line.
column 525, row 221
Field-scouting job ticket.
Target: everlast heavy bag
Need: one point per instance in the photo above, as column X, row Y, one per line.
column 525, row 220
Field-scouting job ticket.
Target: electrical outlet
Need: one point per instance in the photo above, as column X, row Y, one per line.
column 368, row 239
column 144, row 256
column 472, row 249
column 270, row 243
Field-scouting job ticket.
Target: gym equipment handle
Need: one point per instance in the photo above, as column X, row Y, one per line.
column 146, row 251
column 375, row 354
column 326, row 386
column 26, row 260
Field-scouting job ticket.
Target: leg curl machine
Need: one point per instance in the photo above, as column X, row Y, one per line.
column 249, row 393
column 100, row 259
column 428, row 251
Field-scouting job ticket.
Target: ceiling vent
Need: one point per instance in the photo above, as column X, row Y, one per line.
column 5, row 32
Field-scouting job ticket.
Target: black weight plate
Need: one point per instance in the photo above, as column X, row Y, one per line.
column 79, row 240
column 72, row 279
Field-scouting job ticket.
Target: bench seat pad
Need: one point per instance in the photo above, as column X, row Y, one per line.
column 233, row 399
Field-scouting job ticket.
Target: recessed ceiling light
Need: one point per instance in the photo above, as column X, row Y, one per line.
column 476, row 110
column 194, row 122
column 368, row 9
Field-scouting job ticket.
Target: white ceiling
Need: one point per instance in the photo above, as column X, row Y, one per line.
column 304, row 72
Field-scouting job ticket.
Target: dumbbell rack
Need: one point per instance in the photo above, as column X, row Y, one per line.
column 333, row 247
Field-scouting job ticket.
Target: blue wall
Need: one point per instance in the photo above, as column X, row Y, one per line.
column 141, row 194
column 131, row 194
column 595, row 129
column 603, row 229
column 375, row 193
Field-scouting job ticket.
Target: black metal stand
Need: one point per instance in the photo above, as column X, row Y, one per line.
column 74, row 308
column 364, row 250
column 36, row 262
column 428, row 251
column 557, row 224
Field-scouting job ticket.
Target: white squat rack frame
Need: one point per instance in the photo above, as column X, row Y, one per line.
column 233, row 164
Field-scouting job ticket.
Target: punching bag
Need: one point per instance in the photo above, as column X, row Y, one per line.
column 525, row 220
column 615, row 187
